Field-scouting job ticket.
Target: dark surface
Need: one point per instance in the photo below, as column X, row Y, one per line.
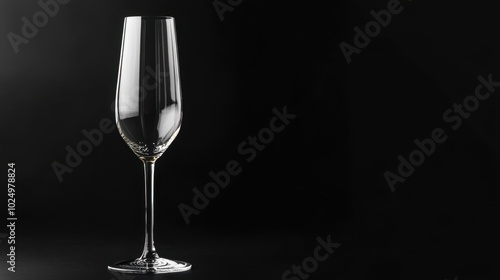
column 322, row 175
column 214, row 255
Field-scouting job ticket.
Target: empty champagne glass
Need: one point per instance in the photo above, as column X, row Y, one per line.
column 148, row 115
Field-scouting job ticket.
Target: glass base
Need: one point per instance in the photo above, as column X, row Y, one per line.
column 146, row 266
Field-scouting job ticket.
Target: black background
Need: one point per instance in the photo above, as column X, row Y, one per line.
column 323, row 175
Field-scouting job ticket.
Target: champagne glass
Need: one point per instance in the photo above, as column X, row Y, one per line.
column 148, row 115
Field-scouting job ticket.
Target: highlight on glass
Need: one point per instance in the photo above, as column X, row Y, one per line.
column 148, row 116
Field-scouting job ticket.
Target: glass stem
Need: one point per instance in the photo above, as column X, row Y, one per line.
column 149, row 251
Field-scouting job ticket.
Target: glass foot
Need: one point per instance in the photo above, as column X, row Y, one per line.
column 144, row 266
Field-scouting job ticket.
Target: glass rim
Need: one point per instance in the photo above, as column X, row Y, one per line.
column 149, row 17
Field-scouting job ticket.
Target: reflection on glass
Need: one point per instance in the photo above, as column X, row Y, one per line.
column 148, row 116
